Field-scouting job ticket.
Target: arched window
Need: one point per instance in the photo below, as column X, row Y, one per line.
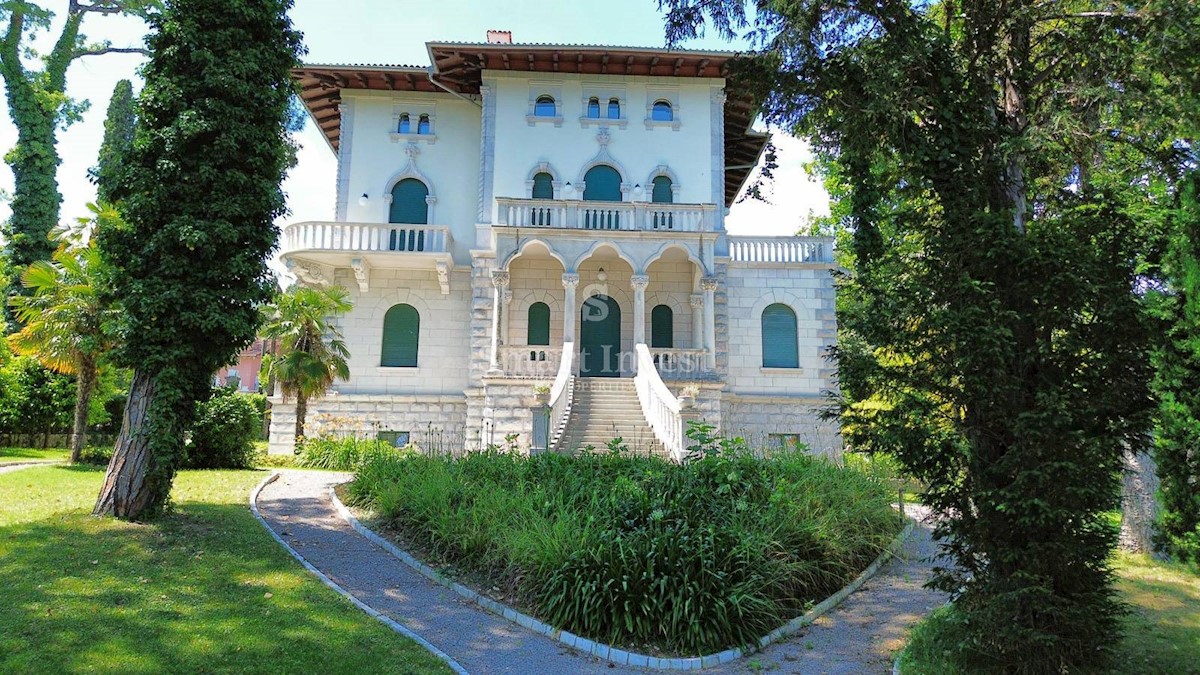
column 662, row 194
column 779, row 346
column 661, row 111
column 602, row 183
column 543, row 186
column 423, row 124
column 614, row 109
column 408, row 207
column 401, row 333
column 662, row 327
column 545, row 107
column 593, row 108
column 405, row 125
column 539, row 324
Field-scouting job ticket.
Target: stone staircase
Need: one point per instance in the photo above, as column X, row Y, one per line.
column 604, row 408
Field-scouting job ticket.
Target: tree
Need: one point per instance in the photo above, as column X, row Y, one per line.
column 120, row 123
column 199, row 193
column 38, row 105
column 312, row 353
column 67, row 323
column 995, row 156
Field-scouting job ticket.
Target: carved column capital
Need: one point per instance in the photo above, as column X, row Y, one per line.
column 696, row 301
column 640, row 281
column 708, row 284
column 500, row 278
column 570, row 280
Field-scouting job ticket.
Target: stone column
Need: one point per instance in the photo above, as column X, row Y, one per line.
column 506, row 318
column 697, row 303
column 639, row 282
column 499, row 283
column 569, row 282
column 709, row 286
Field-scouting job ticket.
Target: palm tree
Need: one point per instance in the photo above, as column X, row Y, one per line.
column 66, row 321
column 312, row 352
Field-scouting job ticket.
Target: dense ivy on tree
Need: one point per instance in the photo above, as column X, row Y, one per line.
column 199, row 191
column 38, row 106
column 993, row 157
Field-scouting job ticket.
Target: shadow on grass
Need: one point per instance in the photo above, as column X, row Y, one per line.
column 204, row 589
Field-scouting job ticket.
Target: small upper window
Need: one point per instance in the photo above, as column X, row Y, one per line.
column 593, row 108
column 662, row 112
column 614, row 109
column 423, row 124
column 405, row 125
column 545, row 107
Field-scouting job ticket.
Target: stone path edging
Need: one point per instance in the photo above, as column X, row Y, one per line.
column 16, row 466
column 371, row 611
column 608, row 652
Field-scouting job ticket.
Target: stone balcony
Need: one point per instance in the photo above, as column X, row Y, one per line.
column 611, row 216
column 312, row 250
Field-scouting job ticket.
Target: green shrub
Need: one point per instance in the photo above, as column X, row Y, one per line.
column 97, row 455
column 634, row 550
column 224, row 432
column 341, row 454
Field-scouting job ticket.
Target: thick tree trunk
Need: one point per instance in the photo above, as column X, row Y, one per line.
column 85, row 384
column 301, row 413
column 125, row 493
column 1139, row 503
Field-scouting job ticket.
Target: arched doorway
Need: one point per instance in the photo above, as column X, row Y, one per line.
column 600, row 337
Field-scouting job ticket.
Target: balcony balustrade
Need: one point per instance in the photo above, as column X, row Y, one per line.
column 593, row 215
column 781, row 249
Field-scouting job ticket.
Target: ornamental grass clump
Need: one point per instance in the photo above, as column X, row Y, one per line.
column 636, row 551
column 342, row 454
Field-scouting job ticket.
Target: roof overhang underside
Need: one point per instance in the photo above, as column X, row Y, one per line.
column 459, row 67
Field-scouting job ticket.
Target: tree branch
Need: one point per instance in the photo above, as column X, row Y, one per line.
column 97, row 51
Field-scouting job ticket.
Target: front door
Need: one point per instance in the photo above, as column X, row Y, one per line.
column 600, row 337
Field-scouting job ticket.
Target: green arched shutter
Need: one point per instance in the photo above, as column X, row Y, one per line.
column 539, row 324
column 662, row 191
column 779, row 337
column 662, row 327
column 408, row 202
column 401, row 331
column 543, row 186
column 602, row 183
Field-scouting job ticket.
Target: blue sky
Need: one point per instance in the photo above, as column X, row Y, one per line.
column 377, row 31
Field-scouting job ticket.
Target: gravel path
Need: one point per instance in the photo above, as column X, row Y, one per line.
column 857, row 637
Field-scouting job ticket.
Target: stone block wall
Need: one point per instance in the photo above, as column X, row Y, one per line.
column 763, row 420
column 436, row 423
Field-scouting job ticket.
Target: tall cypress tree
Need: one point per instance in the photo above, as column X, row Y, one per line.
column 199, row 192
column 119, row 124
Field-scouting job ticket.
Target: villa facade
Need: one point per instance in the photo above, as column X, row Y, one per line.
column 521, row 218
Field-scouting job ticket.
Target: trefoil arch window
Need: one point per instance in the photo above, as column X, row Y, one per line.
column 401, row 337
column 614, row 109
column 593, row 108
column 405, row 125
column 409, row 206
column 544, row 106
column 661, row 111
column 779, row 343
column 661, row 193
column 602, row 183
column 423, row 124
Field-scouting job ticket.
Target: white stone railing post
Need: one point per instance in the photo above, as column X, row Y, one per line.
column 560, row 394
column 659, row 405
column 499, row 283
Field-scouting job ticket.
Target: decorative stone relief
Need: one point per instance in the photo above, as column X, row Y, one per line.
column 361, row 273
column 443, row 275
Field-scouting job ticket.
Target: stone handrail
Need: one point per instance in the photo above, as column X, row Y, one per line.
column 561, row 393
column 659, row 405
column 530, row 360
column 781, row 249
column 398, row 237
column 595, row 215
column 677, row 363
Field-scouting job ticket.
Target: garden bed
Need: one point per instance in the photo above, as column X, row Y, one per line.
column 635, row 551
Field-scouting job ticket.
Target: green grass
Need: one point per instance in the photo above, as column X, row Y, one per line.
column 1162, row 630
column 22, row 455
column 636, row 551
column 204, row 589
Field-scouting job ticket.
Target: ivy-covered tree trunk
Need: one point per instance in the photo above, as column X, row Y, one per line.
column 120, row 122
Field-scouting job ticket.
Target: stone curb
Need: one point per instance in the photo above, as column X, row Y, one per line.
column 26, row 465
column 371, row 611
column 608, row 652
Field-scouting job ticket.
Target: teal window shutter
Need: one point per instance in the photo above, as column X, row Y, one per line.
column 401, row 334
column 539, row 324
column 614, row 109
column 661, row 112
column 662, row 193
column 543, row 186
column 602, row 183
column 662, row 327
column 779, row 346
column 408, row 203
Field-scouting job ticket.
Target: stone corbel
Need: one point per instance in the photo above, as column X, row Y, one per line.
column 443, row 274
column 308, row 273
column 362, row 273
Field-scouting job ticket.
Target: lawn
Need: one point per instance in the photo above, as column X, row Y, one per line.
column 204, row 589
column 22, row 455
column 1162, row 630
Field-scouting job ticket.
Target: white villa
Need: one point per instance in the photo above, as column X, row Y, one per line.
column 533, row 238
